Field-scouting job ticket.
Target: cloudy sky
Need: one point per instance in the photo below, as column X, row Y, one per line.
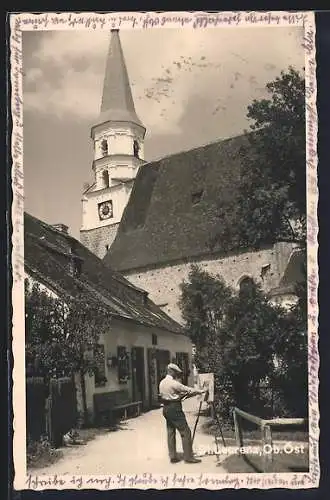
column 189, row 87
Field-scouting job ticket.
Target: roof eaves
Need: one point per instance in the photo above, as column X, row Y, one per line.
column 54, row 248
column 282, row 290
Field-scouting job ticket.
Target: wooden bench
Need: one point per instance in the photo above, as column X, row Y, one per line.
column 111, row 406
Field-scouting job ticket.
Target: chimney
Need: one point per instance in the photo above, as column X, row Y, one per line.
column 62, row 228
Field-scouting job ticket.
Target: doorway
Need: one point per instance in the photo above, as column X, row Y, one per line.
column 138, row 379
column 163, row 359
column 182, row 359
column 152, row 378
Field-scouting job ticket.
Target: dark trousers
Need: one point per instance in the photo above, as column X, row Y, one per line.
column 176, row 420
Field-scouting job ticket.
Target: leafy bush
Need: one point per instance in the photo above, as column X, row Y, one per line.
column 40, row 453
column 272, row 201
column 62, row 335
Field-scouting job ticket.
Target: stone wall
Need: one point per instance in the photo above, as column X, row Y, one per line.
column 99, row 240
column 163, row 283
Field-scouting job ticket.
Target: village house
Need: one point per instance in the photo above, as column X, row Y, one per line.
column 152, row 220
column 142, row 339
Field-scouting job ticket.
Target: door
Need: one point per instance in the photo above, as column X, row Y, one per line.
column 163, row 359
column 138, row 379
column 152, row 377
column 182, row 360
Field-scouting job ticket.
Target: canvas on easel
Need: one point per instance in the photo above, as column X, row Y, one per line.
column 206, row 381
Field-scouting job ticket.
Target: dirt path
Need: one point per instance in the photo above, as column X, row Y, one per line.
column 139, row 446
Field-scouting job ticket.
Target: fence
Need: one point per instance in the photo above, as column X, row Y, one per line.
column 51, row 409
column 36, row 395
column 266, row 432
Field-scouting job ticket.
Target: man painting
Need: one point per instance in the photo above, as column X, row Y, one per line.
column 172, row 392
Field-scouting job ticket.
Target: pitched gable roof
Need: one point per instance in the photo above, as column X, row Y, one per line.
column 49, row 255
column 176, row 204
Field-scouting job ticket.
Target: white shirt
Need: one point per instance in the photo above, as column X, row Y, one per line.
column 172, row 390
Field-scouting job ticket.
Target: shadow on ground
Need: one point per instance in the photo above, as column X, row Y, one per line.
column 281, row 463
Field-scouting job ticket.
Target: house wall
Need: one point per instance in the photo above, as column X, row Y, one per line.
column 163, row 282
column 127, row 334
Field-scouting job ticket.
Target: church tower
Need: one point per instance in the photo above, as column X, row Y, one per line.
column 118, row 139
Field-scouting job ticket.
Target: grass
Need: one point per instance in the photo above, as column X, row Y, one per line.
column 41, row 454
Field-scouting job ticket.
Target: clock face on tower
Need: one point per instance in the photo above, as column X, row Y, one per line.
column 105, row 210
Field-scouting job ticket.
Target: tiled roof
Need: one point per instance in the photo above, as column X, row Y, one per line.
column 178, row 204
column 48, row 255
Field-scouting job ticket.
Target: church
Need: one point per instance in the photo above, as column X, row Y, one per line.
column 151, row 221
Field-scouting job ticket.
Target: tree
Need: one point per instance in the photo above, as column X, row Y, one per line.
column 272, row 196
column 247, row 343
column 243, row 339
column 290, row 375
column 60, row 332
column 203, row 303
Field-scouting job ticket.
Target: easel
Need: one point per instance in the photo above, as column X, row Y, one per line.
column 216, row 418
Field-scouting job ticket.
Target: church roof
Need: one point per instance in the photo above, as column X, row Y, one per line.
column 117, row 101
column 177, row 205
column 48, row 256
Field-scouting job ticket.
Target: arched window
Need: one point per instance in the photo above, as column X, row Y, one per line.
column 105, row 176
column 104, row 147
column 136, row 149
column 246, row 286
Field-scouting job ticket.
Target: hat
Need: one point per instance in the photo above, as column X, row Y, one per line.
column 174, row 367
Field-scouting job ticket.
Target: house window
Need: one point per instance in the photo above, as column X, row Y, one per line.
column 99, row 371
column 104, row 147
column 197, row 196
column 136, row 149
column 107, row 247
column 105, row 177
column 154, row 339
column 123, row 364
column 163, row 358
